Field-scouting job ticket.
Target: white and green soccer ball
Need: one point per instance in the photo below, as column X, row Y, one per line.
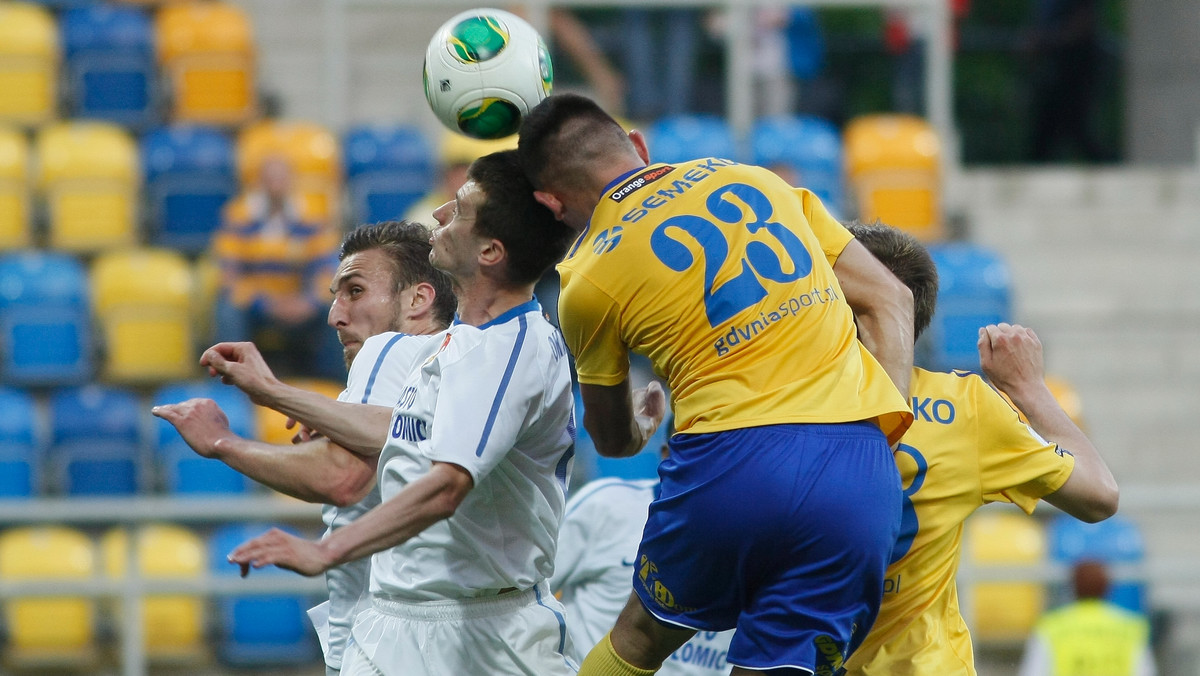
column 484, row 70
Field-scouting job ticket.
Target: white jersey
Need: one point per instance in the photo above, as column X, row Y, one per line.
column 495, row 400
column 376, row 377
column 597, row 550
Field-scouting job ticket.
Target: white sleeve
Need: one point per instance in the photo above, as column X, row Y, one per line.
column 484, row 398
column 381, row 368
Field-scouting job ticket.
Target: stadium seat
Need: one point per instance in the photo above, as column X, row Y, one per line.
column 974, row 290
column 206, row 287
column 96, row 445
column 679, row 138
column 190, row 176
column 893, row 165
column 109, row 69
column 29, row 61
column 207, row 54
column 314, row 155
column 264, row 628
column 810, row 147
column 388, row 169
column 142, row 304
column 173, row 624
column 1004, row 612
column 185, row 472
column 15, row 190
column 1116, row 541
column 20, row 459
column 48, row 631
column 89, row 175
column 270, row 426
column 45, row 323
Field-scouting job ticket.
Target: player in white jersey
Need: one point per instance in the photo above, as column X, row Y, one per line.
column 473, row 472
column 597, row 550
column 387, row 299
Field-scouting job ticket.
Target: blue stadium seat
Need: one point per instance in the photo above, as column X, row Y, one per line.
column 190, row 174
column 185, row 472
column 1114, row 541
column 20, row 461
column 109, row 65
column 644, row 465
column 96, row 441
column 975, row 289
column 679, row 138
column 388, row 169
column 811, row 147
column 258, row 629
column 45, row 324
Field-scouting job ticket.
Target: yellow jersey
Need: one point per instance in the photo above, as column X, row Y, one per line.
column 721, row 274
column 966, row 447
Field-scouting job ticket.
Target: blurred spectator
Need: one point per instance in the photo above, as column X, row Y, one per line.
column 275, row 270
column 455, row 153
column 1066, row 59
column 1090, row 637
column 660, row 66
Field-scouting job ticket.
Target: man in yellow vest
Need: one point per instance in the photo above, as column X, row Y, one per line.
column 1090, row 637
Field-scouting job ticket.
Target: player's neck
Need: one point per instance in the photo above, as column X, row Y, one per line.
column 483, row 301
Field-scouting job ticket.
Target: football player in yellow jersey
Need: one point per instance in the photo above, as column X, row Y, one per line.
column 967, row 447
column 780, row 500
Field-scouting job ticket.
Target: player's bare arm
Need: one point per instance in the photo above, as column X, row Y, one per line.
column 421, row 504
column 316, row 471
column 883, row 310
column 361, row 428
column 621, row 420
column 1011, row 357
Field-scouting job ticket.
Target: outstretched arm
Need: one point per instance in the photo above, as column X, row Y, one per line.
column 619, row 420
column 1011, row 357
column 418, row 506
column 883, row 310
column 315, row 471
column 360, row 428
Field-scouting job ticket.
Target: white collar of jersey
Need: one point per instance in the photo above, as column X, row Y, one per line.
column 532, row 305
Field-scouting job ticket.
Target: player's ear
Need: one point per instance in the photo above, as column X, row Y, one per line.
column 492, row 253
column 549, row 201
column 640, row 145
column 422, row 296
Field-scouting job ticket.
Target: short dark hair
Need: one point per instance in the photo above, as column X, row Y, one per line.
column 407, row 247
column 533, row 238
column 563, row 137
column 909, row 260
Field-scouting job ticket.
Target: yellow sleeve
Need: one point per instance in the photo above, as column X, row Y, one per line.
column 832, row 235
column 590, row 323
column 1015, row 463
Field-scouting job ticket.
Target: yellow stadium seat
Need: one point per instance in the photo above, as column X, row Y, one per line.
column 206, row 286
column 1067, row 397
column 208, row 56
column 56, row 630
column 90, row 175
column 312, row 151
column 173, row 624
column 141, row 299
column 14, row 190
column 271, row 425
column 893, row 168
column 1004, row 612
column 29, row 61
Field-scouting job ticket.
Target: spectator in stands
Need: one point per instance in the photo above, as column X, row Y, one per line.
column 275, row 269
column 1090, row 636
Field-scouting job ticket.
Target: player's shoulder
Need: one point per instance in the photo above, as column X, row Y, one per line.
column 934, row 383
column 599, row 493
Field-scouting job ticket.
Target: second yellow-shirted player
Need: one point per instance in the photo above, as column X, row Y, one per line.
column 966, row 447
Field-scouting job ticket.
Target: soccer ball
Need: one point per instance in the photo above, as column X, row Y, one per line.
column 484, row 70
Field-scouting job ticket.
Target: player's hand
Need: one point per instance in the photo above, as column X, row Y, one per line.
column 1011, row 357
column 243, row 366
column 304, row 433
column 649, row 408
column 201, row 423
column 275, row 547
